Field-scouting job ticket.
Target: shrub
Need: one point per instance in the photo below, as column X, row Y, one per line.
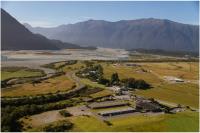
column 114, row 79
column 59, row 126
column 65, row 113
column 104, row 81
column 135, row 84
column 108, row 123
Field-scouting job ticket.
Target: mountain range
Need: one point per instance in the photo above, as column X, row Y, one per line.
column 128, row 34
column 15, row 36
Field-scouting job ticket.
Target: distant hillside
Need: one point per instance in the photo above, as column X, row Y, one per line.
column 167, row 53
column 16, row 37
column 128, row 34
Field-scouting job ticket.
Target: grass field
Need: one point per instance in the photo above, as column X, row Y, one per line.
column 183, row 70
column 129, row 72
column 185, row 121
column 61, row 83
column 185, row 93
column 179, row 93
column 102, row 93
column 73, row 67
column 57, row 65
column 91, row 83
column 16, row 72
column 88, row 124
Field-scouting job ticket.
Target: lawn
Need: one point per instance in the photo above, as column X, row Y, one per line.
column 16, row 72
column 91, row 83
column 180, row 93
column 185, row 121
column 61, row 83
column 102, row 93
column 88, row 124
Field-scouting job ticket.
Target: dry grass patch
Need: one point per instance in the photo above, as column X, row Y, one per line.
column 91, row 83
column 16, row 72
column 101, row 94
column 61, row 83
column 183, row 70
column 73, row 67
column 130, row 72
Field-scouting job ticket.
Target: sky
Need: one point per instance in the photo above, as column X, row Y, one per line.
column 54, row 13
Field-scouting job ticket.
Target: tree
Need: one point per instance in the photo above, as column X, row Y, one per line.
column 59, row 126
column 141, row 84
column 132, row 83
column 64, row 113
column 104, row 81
column 114, row 79
column 129, row 83
column 99, row 69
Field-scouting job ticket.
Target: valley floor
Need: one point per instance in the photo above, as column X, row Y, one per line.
column 168, row 92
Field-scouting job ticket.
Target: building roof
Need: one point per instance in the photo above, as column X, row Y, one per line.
column 107, row 104
column 123, row 97
column 116, row 111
